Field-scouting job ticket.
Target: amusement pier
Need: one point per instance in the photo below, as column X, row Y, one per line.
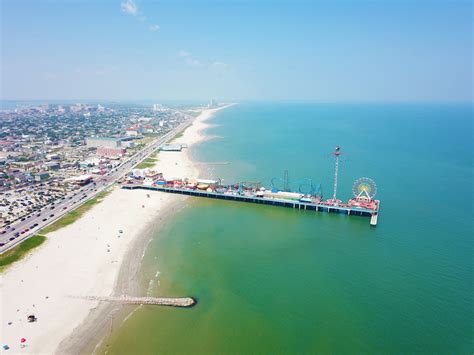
column 362, row 204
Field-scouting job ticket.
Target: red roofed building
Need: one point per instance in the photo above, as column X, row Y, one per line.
column 133, row 130
column 111, row 152
column 148, row 128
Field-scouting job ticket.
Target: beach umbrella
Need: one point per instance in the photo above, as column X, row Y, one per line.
column 22, row 340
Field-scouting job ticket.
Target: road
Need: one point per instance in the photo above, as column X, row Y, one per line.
column 24, row 229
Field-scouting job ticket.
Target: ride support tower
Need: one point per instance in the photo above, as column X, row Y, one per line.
column 337, row 153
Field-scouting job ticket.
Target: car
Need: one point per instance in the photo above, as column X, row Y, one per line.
column 65, row 207
column 22, row 219
column 13, row 228
column 45, row 219
column 51, row 215
column 17, row 234
column 39, row 214
column 3, row 232
column 23, row 232
column 35, row 224
column 2, row 244
column 12, row 238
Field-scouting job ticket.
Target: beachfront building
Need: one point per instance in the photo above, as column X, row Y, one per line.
column 212, row 104
column 96, row 142
column 171, row 147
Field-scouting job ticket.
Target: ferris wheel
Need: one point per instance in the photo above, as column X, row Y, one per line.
column 364, row 188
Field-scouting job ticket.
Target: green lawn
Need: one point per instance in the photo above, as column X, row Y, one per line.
column 74, row 215
column 147, row 140
column 148, row 162
column 20, row 251
column 178, row 135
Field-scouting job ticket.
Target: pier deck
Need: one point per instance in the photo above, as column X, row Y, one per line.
column 373, row 219
column 318, row 207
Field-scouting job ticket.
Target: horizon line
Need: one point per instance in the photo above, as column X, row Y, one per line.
column 249, row 100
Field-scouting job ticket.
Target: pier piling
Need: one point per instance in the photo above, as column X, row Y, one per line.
column 318, row 207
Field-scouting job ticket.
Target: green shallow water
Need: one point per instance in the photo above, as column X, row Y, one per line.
column 272, row 280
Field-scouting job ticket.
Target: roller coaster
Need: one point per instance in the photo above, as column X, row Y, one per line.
column 305, row 186
column 299, row 193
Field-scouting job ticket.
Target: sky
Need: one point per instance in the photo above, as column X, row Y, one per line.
column 327, row 50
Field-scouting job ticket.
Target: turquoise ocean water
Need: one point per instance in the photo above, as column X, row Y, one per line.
column 272, row 280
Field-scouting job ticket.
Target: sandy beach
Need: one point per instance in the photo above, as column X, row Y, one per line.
column 89, row 258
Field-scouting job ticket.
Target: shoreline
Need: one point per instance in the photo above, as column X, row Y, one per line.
column 97, row 324
column 93, row 260
column 96, row 327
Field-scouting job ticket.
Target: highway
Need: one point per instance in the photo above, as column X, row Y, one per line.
column 21, row 230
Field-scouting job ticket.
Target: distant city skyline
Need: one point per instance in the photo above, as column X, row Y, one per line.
column 240, row 50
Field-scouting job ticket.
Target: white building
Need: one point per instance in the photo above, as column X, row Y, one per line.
column 213, row 103
column 158, row 108
column 96, row 142
column 132, row 132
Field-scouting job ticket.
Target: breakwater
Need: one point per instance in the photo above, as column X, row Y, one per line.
column 160, row 301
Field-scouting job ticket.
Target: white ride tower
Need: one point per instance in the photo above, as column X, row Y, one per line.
column 337, row 153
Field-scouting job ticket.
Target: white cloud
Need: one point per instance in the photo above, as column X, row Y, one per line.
column 129, row 7
column 184, row 53
column 219, row 65
column 189, row 59
column 193, row 62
